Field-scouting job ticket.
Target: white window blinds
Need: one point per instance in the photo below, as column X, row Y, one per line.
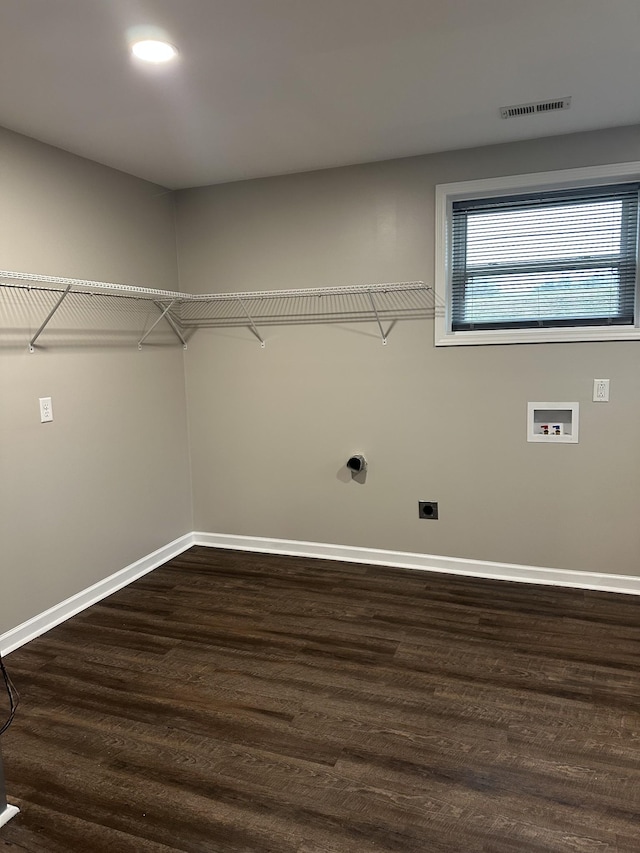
column 562, row 258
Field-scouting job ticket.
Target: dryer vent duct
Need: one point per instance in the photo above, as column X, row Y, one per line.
column 357, row 464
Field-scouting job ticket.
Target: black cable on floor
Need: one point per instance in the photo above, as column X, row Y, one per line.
column 12, row 693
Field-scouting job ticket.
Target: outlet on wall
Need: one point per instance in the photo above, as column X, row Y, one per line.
column 428, row 509
column 600, row 390
column 46, row 410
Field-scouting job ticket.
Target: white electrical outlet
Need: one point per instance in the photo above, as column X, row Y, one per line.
column 600, row 390
column 46, row 410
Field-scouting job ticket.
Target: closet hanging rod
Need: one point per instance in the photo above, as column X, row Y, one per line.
column 344, row 290
column 87, row 286
column 35, row 288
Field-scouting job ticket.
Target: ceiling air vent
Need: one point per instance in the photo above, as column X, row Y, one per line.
column 538, row 107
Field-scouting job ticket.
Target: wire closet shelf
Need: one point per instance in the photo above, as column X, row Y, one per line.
column 380, row 302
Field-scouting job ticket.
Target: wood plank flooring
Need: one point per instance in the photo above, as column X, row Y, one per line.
column 232, row 702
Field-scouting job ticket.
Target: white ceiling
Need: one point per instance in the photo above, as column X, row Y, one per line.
column 265, row 87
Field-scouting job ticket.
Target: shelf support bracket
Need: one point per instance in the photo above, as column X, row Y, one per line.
column 253, row 325
column 375, row 311
column 167, row 316
column 161, row 317
column 47, row 318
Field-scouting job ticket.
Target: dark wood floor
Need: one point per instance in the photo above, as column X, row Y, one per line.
column 239, row 702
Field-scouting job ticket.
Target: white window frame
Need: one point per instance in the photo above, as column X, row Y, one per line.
column 447, row 194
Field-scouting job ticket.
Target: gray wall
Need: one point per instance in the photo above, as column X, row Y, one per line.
column 108, row 481
column 270, row 429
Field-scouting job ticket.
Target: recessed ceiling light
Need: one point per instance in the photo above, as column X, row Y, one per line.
column 151, row 50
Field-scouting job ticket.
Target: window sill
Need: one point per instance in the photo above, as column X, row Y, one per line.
column 538, row 336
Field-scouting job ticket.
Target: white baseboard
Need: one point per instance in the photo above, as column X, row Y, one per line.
column 600, row 581
column 32, row 628
column 7, row 814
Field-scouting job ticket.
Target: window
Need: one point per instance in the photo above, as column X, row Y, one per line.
column 552, row 262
